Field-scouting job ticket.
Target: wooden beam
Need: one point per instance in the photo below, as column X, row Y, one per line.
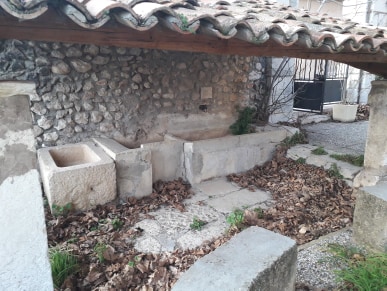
column 53, row 27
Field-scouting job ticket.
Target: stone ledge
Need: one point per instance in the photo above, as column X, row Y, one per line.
column 370, row 216
column 255, row 259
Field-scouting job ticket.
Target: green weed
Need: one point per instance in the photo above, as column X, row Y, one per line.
column 259, row 212
column 335, row 172
column 319, row 151
column 72, row 240
column 301, row 161
column 235, row 218
column 133, row 263
column 197, row 224
column 99, row 249
column 63, row 264
column 362, row 272
column 297, row 138
column 352, row 159
column 243, row 124
column 117, row 223
column 61, row 210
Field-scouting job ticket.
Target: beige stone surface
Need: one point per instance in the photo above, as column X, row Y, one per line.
column 87, row 180
column 206, row 159
column 375, row 157
column 370, row 217
column 133, row 168
column 166, row 159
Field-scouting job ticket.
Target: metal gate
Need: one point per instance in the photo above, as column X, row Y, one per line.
column 317, row 82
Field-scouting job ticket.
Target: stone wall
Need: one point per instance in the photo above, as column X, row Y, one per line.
column 129, row 94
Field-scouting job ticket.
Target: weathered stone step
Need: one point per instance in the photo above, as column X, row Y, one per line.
column 255, row 259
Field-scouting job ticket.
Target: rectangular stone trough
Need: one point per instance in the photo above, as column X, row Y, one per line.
column 134, row 168
column 210, row 158
column 79, row 174
column 255, row 259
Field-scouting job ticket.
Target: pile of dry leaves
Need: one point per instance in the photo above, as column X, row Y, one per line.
column 308, row 203
column 363, row 112
column 102, row 239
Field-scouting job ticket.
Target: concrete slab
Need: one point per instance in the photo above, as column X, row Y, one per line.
column 24, row 263
column 239, row 200
column 216, row 187
column 170, row 228
column 254, row 259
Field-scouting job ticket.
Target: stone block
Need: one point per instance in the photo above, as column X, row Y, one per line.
column 370, row 217
column 133, row 168
column 255, row 259
column 206, row 93
column 207, row 159
column 166, row 158
column 80, row 174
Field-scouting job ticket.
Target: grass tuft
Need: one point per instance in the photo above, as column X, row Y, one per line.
column 297, row 138
column 363, row 272
column 63, row 264
column 319, row 151
column 352, row 159
column 334, row 171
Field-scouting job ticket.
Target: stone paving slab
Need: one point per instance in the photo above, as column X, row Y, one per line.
column 170, row 228
column 305, row 151
column 212, row 201
column 217, row 187
column 240, row 199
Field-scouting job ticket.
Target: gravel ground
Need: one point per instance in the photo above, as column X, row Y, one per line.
column 345, row 138
column 315, row 265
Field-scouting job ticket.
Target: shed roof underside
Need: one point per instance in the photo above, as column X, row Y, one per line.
column 242, row 27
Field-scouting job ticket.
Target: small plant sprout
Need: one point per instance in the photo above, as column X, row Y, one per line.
column 99, row 249
column 319, row 151
column 117, row 223
column 133, row 262
column 197, row 224
column 243, row 123
column 301, row 161
column 61, row 210
column 259, row 212
column 297, row 138
column 63, row 264
column 335, row 172
column 235, row 219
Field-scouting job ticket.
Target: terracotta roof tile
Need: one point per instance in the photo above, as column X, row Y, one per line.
column 254, row 21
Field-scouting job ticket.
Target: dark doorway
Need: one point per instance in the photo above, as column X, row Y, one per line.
column 317, row 82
